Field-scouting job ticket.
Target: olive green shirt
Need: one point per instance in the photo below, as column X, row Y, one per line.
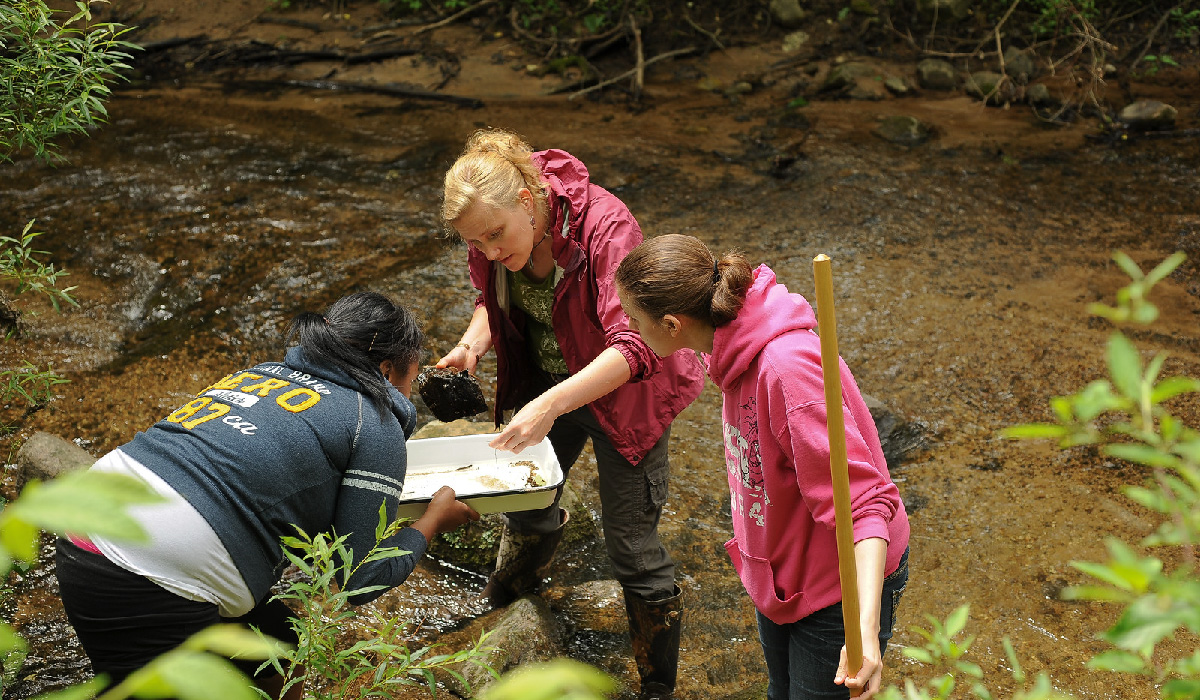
column 536, row 299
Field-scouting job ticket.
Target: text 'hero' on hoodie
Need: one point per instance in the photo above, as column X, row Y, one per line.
column 767, row 362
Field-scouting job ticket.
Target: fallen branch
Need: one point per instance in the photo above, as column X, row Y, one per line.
column 172, row 43
column 390, row 89
column 291, row 57
column 289, row 22
column 386, row 27
column 1153, row 33
column 259, row 52
column 626, row 74
column 639, row 70
column 381, row 55
column 613, row 37
column 711, row 37
column 452, row 18
column 1119, row 135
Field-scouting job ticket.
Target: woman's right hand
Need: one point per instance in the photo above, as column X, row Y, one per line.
column 460, row 358
column 443, row 514
column 475, row 343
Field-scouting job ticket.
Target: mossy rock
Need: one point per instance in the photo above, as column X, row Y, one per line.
column 903, row 130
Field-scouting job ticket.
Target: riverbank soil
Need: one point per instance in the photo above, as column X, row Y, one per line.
column 252, row 169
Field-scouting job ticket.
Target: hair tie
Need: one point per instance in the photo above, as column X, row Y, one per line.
column 716, row 272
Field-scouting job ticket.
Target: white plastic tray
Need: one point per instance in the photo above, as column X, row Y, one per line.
column 487, row 479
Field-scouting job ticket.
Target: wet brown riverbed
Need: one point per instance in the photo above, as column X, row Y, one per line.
column 198, row 223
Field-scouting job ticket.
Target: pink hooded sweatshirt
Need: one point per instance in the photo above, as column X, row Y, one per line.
column 767, row 362
column 587, row 317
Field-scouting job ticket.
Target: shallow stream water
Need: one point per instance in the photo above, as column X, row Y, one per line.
column 197, row 224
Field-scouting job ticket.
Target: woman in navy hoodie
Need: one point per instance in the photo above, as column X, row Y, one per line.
column 316, row 441
column 763, row 353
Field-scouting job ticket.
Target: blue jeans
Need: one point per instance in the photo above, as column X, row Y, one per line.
column 802, row 656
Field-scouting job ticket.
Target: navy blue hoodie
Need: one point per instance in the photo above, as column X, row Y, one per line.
column 285, row 444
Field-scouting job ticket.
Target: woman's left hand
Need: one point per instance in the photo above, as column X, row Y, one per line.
column 528, row 427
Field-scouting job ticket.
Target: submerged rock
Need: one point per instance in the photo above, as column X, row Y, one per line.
column 846, row 75
column 524, row 632
column 993, row 88
column 1019, row 65
column 1038, row 95
column 903, row 130
column 45, row 456
column 1147, row 115
column 788, row 13
column 900, row 438
column 936, row 74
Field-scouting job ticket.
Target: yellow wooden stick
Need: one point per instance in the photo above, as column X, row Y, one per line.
column 838, row 469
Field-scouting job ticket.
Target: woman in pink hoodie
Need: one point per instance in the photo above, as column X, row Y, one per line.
column 544, row 242
column 763, row 352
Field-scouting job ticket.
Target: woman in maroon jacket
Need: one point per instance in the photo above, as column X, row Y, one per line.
column 544, row 243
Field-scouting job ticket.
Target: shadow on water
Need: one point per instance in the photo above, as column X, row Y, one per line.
column 962, row 276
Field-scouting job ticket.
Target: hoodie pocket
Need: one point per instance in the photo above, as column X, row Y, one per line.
column 758, row 578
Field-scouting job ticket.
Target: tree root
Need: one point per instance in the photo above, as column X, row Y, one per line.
column 633, row 71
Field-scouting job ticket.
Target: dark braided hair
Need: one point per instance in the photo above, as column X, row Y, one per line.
column 356, row 334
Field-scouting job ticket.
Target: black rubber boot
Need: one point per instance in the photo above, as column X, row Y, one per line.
column 521, row 564
column 654, row 627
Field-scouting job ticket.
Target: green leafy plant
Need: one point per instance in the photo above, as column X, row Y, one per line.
column 56, row 74
column 20, row 265
column 1157, row 62
column 55, row 78
column 560, row 679
column 942, row 649
column 1057, row 16
column 1188, row 22
column 95, row 502
column 28, row 385
column 377, row 663
column 1127, row 415
column 945, row 651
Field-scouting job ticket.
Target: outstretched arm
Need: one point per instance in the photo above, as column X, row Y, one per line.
column 532, row 423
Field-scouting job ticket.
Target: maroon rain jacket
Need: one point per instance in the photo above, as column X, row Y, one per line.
column 587, row 314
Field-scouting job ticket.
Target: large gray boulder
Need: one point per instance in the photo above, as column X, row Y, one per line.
column 525, row 632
